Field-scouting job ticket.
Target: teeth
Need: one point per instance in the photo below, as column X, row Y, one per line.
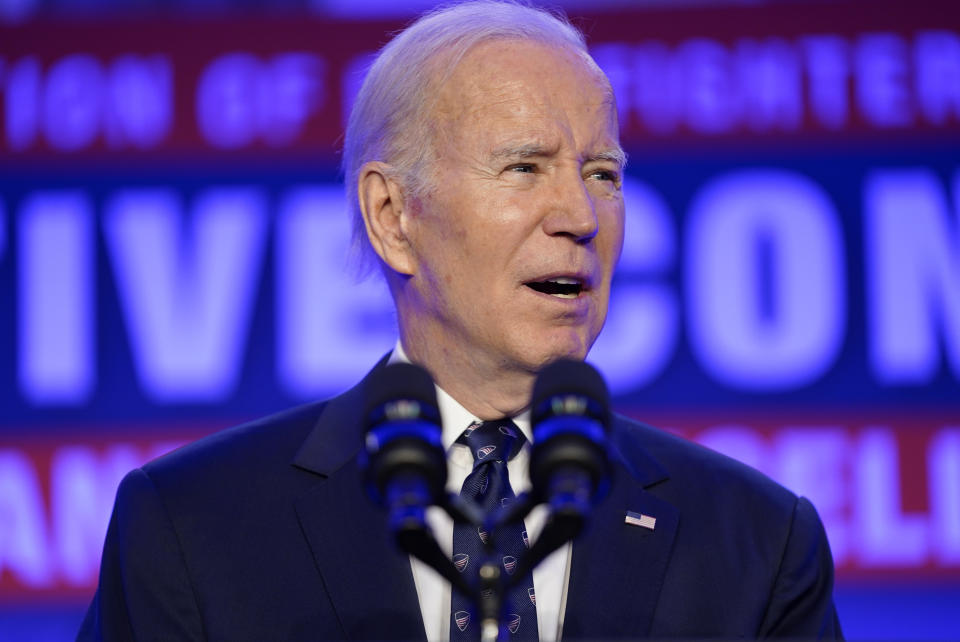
column 564, row 281
column 564, row 296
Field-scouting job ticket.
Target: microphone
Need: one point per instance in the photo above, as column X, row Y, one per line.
column 403, row 463
column 570, row 417
column 570, row 467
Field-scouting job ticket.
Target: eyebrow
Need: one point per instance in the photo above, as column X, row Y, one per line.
column 533, row 150
column 529, row 150
column 616, row 155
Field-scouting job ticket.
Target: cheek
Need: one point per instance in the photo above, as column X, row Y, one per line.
column 452, row 264
column 611, row 233
column 438, row 235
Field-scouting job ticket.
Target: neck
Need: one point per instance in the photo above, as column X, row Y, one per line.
column 487, row 390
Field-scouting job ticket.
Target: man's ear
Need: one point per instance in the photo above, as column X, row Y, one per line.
column 383, row 207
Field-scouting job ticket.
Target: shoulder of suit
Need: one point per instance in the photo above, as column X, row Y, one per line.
column 281, row 435
column 245, row 448
column 688, row 464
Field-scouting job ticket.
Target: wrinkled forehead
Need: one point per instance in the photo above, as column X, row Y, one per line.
column 522, row 83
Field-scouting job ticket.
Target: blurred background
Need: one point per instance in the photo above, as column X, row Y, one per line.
column 173, row 259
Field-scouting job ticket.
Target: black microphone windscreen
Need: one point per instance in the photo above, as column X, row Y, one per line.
column 569, row 377
column 396, row 382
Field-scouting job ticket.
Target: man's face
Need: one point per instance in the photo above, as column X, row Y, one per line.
column 514, row 245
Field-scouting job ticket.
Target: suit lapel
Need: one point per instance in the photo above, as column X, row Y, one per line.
column 368, row 580
column 615, row 595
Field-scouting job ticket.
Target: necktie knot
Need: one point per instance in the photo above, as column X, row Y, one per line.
column 488, row 441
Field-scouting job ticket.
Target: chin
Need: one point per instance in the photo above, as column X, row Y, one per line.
column 568, row 346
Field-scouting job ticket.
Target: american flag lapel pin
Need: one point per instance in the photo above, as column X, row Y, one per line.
column 639, row 519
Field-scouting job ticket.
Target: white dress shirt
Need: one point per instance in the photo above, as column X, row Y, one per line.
column 550, row 577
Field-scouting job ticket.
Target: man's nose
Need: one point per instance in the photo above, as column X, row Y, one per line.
column 571, row 210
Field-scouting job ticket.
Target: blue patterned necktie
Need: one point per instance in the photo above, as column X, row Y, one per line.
column 492, row 443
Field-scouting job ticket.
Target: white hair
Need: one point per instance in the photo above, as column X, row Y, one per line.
column 390, row 119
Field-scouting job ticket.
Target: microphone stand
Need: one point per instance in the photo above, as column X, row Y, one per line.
column 569, row 507
column 569, row 500
column 407, row 501
column 414, row 536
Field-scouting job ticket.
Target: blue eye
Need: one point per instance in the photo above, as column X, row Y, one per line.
column 524, row 168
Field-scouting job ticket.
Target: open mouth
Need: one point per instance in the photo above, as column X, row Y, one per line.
column 562, row 287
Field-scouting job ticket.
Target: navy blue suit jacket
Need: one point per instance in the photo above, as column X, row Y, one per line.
column 262, row 532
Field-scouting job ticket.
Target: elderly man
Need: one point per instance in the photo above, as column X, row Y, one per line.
column 483, row 163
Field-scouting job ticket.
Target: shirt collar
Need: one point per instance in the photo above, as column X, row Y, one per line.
column 454, row 416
